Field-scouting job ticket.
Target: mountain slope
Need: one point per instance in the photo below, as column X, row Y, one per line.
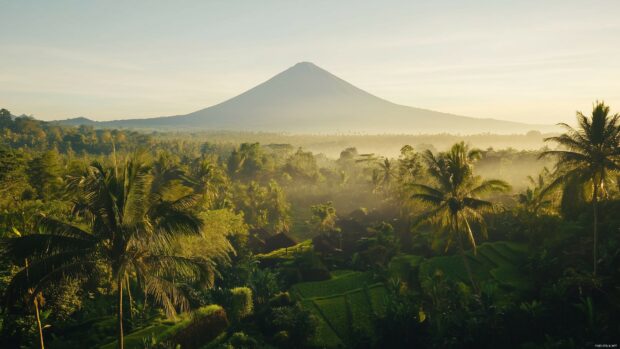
column 308, row 99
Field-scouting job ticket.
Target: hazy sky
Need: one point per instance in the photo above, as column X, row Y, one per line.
column 532, row 61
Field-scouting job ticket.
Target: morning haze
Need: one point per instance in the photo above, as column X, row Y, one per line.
column 309, row 174
column 531, row 62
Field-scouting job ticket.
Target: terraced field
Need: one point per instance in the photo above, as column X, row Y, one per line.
column 347, row 302
column 500, row 261
column 288, row 252
column 341, row 282
column 351, row 300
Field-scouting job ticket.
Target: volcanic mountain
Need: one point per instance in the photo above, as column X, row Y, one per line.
column 308, row 99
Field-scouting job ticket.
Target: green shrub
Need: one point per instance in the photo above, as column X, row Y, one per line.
column 296, row 326
column 240, row 340
column 280, row 299
column 281, row 338
column 242, row 304
column 205, row 325
column 63, row 299
column 264, row 284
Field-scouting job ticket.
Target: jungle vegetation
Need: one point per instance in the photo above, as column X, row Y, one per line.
column 123, row 239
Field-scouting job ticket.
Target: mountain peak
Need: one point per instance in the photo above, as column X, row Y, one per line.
column 306, row 67
column 308, row 99
column 305, row 64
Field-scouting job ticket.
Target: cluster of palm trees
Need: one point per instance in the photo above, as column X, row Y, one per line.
column 537, row 198
column 588, row 156
column 130, row 218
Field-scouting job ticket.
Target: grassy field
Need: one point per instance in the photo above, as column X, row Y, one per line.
column 346, row 303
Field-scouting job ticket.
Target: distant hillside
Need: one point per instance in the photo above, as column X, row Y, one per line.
column 308, row 99
column 79, row 121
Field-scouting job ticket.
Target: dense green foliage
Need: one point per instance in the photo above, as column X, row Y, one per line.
column 214, row 240
column 242, row 304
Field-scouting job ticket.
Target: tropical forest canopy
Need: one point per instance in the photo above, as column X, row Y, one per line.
column 117, row 238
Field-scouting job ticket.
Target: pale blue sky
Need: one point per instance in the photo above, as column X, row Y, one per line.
column 530, row 61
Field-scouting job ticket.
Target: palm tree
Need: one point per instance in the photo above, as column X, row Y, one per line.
column 211, row 181
column 535, row 199
column 386, row 170
column 590, row 156
column 382, row 175
column 131, row 221
column 375, row 181
column 409, row 166
column 454, row 199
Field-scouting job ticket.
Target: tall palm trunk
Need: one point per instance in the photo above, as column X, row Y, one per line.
column 130, row 298
column 121, row 340
column 470, row 275
column 114, row 157
column 595, row 224
column 36, row 311
column 36, row 308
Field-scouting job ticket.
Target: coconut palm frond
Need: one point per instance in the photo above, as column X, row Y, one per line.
column 42, row 272
column 177, row 266
column 564, row 156
column 42, row 245
column 172, row 221
column 491, row 186
column 56, row 227
column 477, row 204
column 429, row 216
